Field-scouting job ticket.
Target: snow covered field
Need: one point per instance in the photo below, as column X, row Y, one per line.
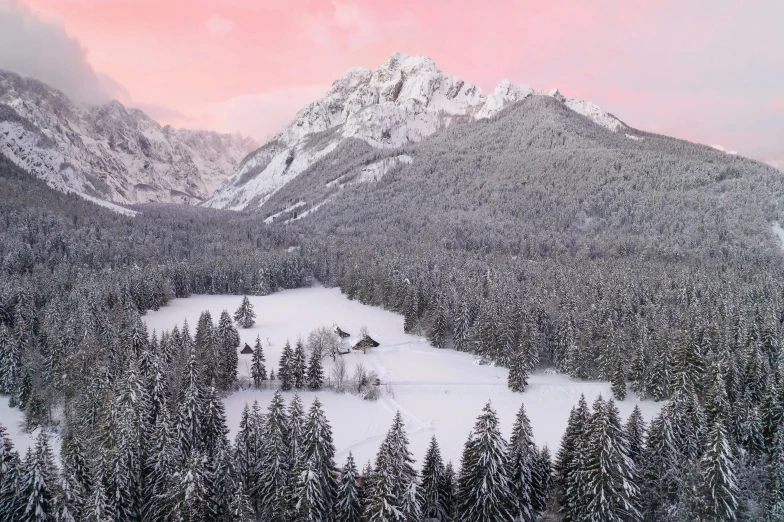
column 438, row 391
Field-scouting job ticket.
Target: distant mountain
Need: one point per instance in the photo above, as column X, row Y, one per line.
column 540, row 181
column 110, row 152
column 402, row 102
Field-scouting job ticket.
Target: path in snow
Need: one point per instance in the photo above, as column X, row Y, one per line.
column 438, row 392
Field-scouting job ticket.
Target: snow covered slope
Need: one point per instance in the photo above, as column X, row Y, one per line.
column 110, row 152
column 404, row 101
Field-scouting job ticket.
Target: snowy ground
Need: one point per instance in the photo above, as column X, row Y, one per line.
column 13, row 421
column 438, row 391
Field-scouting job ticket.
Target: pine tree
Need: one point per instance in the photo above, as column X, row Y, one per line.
column 229, row 340
column 609, row 473
column 298, row 369
column 484, row 488
column 214, row 432
column 245, row 316
column 687, row 362
column 295, row 432
column 160, row 468
column 448, row 492
column 716, row 401
column 774, row 502
column 285, row 368
column 660, row 473
column 432, row 505
column 349, row 505
column 310, row 505
column 542, row 481
column 10, row 361
column 98, row 507
column 190, row 409
column 189, row 491
column 38, row 482
column 718, row 492
column 257, row 369
column 67, row 504
column 772, row 412
column 10, row 475
column 522, row 455
column 392, row 477
column 570, row 461
column 319, row 451
column 634, row 431
column 462, row 328
column 273, row 468
column 315, row 371
column 409, row 503
column 241, row 510
column 518, row 373
column 618, row 382
column 437, row 332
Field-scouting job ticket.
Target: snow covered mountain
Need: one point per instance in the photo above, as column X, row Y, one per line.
column 405, row 100
column 110, row 152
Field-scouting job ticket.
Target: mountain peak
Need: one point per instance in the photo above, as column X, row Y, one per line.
column 404, row 100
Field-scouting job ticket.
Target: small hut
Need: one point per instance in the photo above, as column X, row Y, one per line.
column 364, row 343
column 247, row 349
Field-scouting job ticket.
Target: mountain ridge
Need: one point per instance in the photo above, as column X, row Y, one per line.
column 406, row 99
column 110, row 152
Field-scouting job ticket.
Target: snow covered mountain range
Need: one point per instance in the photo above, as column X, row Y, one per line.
column 404, row 101
column 110, row 152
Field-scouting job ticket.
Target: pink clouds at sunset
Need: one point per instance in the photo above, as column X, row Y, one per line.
column 707, row 71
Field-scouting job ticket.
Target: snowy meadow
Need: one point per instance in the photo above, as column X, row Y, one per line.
column 438, row 391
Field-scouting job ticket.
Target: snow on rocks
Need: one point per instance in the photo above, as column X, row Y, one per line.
column 403, row 101
column 502, row 96
column 438, row 391
column 110, row 152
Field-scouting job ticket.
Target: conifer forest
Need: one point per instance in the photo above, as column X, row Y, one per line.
column 650, row 265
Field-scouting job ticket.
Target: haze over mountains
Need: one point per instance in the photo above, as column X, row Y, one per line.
column 109, row 151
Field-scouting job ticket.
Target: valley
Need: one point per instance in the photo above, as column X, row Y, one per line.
column 438, row 391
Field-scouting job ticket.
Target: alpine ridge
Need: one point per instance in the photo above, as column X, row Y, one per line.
column 110, row 152
column 402, row 102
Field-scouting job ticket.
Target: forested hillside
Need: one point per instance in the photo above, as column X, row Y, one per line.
column 536, row 239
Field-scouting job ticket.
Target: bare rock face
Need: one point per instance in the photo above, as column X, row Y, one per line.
column 110, row 152
column 404, row 101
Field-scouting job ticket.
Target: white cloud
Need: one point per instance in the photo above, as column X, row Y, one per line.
column 721, row 148
column 262, row 115
column 776, row 164
column 219, row 26
column 43, row 50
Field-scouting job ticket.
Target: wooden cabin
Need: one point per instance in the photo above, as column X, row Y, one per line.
column 247, row 349
column 364, row 343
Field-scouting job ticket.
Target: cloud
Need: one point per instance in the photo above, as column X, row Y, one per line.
column 721, row 148
column 162, row 114
column 43, row 50
column 776, row 164
column 219, row 26
column 262, row 115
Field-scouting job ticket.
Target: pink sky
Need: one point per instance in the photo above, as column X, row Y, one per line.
column 710, row 71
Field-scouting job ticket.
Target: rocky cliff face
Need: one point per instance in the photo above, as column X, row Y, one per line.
column 404, row 101
column 110, row 152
